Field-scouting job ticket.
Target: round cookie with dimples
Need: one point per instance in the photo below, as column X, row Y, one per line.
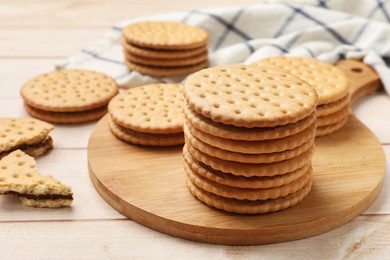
column 248, row 96
column 330, row 82
column 165, row 35
column 69, row 90
column 153, row 108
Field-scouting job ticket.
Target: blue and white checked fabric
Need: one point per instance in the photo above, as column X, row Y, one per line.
column 327, row 30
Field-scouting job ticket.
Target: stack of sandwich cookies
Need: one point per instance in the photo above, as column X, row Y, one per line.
column 26, row 134
column 19, row 176
column 164, row 48
column 148, row 115
column 249, row 138
column 69, row 96
column 331, row 83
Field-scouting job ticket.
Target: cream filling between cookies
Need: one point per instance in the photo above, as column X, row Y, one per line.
column 47, row 143
column 42, row 196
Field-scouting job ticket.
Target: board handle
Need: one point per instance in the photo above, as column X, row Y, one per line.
column 363, row 78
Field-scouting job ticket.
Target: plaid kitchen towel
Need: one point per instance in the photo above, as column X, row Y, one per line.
column 327, row 30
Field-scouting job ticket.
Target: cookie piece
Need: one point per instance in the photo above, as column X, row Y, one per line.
column 19, row 176
column 159, row 71
column 134, row 137
column 37, row 149
column 162, row 54
column 208, row 126
column 248, row 194
column 335, row 117
column 178, row 62
column 328, row 129
column 153, row 108
column 69, row 90
column 330, row 82
column 248, row 96
column 67, row 117
column 165, row 35
column 333, row 107
column 241, row 181
column 249, row 207
column 251, row 169
column 256, row 147
column 27, row 134
column 245, row 157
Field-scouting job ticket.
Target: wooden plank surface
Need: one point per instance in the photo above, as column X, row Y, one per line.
column 348, row 171
column 366, row 237
column 33, row 35
column 93, row 13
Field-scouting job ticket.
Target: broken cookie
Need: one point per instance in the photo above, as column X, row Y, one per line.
column 19, row 176
column 26, row 134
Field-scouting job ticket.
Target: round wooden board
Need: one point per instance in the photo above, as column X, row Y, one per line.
column 148, row 186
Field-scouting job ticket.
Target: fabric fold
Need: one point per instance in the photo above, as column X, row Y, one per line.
column 324, row 30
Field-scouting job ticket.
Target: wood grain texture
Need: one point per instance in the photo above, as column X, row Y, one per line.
column 362, row 238
column 148, row 186
column 363, row 78
column 69, row 166
column 108, row 235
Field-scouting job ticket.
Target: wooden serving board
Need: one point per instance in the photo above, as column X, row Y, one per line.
column 148, row 186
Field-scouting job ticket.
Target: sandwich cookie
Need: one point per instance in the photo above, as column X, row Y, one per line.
column 26, row 134
column 148, row 115
column 68, row 96
column 19, row 176
column 249, row 138
column 167, row 49
column 331, row 84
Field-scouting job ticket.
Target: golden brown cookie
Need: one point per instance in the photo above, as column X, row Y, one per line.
column 19, row 176
column 246, row 157
column 334, row 117
column 165, row 35
column 330, row 108
column 330, row 82
column 178, row 62
column 248, row 194
column 241, row 181
column 256, row 147
column 242, row 133
column 26, row 134
column 67, row 117
column 148, row 139
column 68, row 96
column 328, row 129
column 271, row 116
column 247, row 96
column 162, row 54
column 249, row 207
column 148, row 115
column 159, row 71
column 250, row 169
column 153, row 108
column 69, row 90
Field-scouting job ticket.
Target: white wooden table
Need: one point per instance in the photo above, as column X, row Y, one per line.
column 36, row 33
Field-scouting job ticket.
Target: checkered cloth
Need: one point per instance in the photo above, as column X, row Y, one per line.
column 325, row 30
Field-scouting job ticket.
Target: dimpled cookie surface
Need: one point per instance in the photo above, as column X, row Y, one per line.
column 165, row 35
column 330, row 82
column 153, row 108
column 247, row 96
column 69, row 90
